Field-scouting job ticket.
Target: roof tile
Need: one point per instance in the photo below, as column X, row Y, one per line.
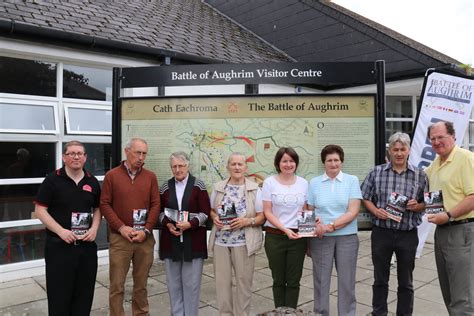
column 310, row 30
column 185, row 26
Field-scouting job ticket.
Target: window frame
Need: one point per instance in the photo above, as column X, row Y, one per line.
column 46, row 102
column 401, row 119
column 82, row 65
column 105, row 106
column 467, row 142
column 59, row 135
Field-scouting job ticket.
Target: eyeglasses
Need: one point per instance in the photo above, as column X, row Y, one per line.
column 178, row 166
column 439, row 138
column 72, row 155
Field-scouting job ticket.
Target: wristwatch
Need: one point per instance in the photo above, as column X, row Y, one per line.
column 252, row 221
column 450, row 217
column 147, row 232
column 333, row 226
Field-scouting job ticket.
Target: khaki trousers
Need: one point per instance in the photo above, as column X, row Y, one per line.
column 227, row 259
column 121, row 253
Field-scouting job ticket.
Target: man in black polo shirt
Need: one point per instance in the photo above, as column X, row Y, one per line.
column 68, row 205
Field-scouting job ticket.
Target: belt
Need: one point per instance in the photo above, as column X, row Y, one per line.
column 454, row 223
column 276, row 231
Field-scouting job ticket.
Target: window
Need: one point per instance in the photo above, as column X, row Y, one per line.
column 32, row 77
column 393, row 127
column 99, row 158
column 26, row 159
column 471, row 132
column 399, row 107
column 35, row 121
column 88, row 120
column 399, row 115
column 16, row 201
column 87, row 83
column 22, row 243
column 31, row 117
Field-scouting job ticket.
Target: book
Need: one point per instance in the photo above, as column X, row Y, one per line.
column 396, row 206
column 139, row 218
column 80, row 222
column 176, row 215
column 306, row 223
column 434, row 202
column 226, row 215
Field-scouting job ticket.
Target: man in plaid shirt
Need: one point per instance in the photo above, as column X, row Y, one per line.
column 397, row 235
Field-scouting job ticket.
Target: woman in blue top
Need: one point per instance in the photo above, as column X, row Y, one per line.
column 335, row 196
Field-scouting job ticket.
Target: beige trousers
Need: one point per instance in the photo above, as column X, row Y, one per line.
column 227, row 259
column 121, row 253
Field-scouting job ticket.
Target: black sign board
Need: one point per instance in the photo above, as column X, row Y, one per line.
column 319, row 74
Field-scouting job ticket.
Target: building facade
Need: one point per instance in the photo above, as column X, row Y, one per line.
column 56, row 62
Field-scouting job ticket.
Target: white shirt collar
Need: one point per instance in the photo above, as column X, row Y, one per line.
column 338, row 177
column 183, row 182
column 180, row 187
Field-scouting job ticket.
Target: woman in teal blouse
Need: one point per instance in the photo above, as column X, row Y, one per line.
column 335, row 196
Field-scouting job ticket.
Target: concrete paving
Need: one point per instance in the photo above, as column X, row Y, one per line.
column 28, row 296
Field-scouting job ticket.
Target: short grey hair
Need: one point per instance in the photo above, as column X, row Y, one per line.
column 129, row 143
column 22, row 152
column 236, row 153
column 399, row 137
column 180, row 155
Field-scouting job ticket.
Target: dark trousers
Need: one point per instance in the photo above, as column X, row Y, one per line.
column 285, row 258
column 385, row 242
column 454, row 253
column 70, row 277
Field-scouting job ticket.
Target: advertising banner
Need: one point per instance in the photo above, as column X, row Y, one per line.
column 445, row 98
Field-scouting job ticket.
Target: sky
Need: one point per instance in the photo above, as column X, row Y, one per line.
column 443, row 25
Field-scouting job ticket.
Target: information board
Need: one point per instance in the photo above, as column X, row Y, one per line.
column 209, row 129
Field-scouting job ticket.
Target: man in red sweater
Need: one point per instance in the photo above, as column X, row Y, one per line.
column 130, row 201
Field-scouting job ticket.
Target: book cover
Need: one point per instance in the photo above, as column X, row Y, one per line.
column 183, row 216
column 306, row 223
column 176, row 215
column 434, row 202
column 139, row 218
column 226, row 214
column 396, row 206
column 80, row 222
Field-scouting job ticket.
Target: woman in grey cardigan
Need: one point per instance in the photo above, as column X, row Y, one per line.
column 237, row 213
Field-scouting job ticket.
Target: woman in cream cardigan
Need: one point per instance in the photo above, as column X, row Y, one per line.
column 234, row 244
